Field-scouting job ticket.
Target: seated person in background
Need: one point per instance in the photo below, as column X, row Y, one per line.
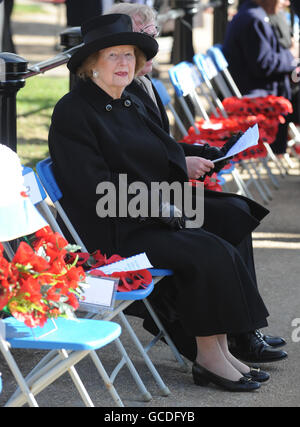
column 223, row 211
column 259, row 64
column 108, row 136
column 283, row 31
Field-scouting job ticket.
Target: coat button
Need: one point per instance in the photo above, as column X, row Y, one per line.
column 108, row 107
column 127, row 103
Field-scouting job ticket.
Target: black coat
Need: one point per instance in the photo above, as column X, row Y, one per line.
column 94, row 138
column 223, row 211
column 258, row 63
column 296, row 6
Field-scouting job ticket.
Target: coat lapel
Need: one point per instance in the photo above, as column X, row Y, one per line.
column 153, row 112
column 100, row 99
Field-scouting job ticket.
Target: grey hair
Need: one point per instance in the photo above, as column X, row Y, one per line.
column 145, row 13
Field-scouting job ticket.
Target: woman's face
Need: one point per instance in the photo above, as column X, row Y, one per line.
column 283, row 4
column 115, row 68
column 274, row 6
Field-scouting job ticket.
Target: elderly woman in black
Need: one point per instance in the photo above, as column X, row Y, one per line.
column 222, row 212
column 98, row 134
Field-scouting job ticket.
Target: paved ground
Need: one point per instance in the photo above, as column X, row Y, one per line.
column 277, row 248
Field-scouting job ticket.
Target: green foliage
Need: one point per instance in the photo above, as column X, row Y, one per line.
column 35, row 104
column 29, row 8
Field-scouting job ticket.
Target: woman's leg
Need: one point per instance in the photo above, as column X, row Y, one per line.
column 211, row 357
column 241, row 367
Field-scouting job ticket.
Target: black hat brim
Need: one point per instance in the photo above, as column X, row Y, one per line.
column 147, row 44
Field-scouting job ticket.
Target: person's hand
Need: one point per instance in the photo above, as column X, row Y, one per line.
column 168, row 214
column 230, row 143
column 198, row 166
column 171, row 216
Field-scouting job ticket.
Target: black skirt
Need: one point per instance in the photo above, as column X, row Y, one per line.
column 213, row 292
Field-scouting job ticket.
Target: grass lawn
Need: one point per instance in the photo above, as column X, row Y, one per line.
column 28, row 8
column 35, row 104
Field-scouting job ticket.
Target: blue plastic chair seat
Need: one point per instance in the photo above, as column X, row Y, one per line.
column 78, row 334
column 227, row 170
column 217, row 56
column 27, row 170
column 44, row 170
column 138, row 294
column 163, row 93
column 161, row 272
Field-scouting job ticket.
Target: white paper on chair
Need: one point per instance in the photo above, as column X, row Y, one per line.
column 99, row 291
column 136, row 262
column 248, row 139
column 2, row 329
column 32, row 187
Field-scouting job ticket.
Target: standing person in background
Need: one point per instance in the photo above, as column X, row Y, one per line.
column 79, row 11
column 1, row 23
column 7, row 41
column 220, row 210
column 259, row 64
column 283, row 31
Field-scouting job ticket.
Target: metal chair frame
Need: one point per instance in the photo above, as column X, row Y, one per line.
column 87, row 337
column 229, row 88
column 183, row 78
column 146, row 396
column 124, row 299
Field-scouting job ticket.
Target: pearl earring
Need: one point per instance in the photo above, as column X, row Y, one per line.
column 95, row 74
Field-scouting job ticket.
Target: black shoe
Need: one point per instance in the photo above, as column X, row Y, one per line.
column 272, row 341
column 203, row 377
column 252, row 348
column 256, row 374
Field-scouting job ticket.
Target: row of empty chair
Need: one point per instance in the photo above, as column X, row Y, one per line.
column 204, row 81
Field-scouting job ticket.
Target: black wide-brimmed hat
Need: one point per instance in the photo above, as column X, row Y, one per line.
column 110, row 30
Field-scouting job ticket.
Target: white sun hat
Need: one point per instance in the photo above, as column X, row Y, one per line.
column 18, row 216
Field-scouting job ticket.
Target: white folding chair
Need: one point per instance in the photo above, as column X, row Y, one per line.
column 182, row 77
column 124, row 299
column 253, row 166
column 167, row 103
column 228, row 88
column 69, row 341
column 223, row 78
column 38, row 195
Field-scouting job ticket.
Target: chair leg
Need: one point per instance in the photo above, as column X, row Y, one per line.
column 49, row 217
column 166, row 336
column 29, row 397
column 42, row 366
column 276, row 161
column 145, row 394
column 256, row 183
column 78, row 383
column 270, row 174
column 107, row 381
column 261, row 181
column 240, row 184
column 163, row 388
column 8, row 250
column 37, row 382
